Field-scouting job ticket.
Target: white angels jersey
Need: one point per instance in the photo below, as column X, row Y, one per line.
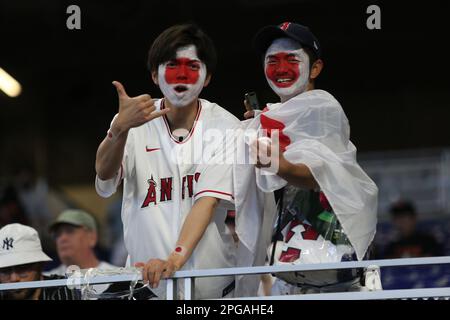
column 159, row 193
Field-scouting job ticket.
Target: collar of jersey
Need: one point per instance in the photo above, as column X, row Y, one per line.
column 191, row 132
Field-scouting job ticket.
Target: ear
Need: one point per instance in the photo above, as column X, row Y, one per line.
column 155, row 77
column 207, row 80
column 92, row 236
column 316, row 69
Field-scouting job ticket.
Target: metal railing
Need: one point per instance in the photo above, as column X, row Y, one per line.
column 188, row 277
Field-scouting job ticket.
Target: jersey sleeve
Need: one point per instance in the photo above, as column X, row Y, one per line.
column 215, row 181
column 216, row 175
column 106, row 188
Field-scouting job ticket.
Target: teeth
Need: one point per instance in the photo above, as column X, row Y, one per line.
column 283, row 80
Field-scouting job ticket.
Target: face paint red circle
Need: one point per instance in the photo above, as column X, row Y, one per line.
column 283, row 69
column 182, row 70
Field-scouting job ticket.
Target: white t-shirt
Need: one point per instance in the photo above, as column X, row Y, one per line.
column 159, row 193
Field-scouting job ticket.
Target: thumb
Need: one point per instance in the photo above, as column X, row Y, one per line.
column 120, row 89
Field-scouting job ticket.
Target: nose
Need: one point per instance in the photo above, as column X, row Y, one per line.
column 282, row 67
column 182, row 72
column 14, row 277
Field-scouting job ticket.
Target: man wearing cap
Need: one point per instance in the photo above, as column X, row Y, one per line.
column 22, row 260
column 327, row 204
column 75, row 233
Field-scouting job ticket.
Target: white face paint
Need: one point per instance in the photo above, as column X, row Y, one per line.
column 286, row 66
column 181, row 80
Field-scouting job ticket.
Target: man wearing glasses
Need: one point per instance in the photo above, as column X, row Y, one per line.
column 22, row 260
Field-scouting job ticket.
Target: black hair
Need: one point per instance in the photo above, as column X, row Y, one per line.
column 165, row 46
column 311, row 55
column 403, row 208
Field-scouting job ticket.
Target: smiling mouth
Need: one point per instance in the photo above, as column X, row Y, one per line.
column 180, row 89
column 284, row 82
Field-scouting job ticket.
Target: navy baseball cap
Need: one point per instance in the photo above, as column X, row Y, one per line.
column 295, row 31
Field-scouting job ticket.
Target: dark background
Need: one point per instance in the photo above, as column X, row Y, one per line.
column 393, row 83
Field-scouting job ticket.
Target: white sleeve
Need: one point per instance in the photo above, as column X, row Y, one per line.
column 106, row 188
column 216, row 175
column 215, row 181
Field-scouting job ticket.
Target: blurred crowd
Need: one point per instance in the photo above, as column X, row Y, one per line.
column 56, row 235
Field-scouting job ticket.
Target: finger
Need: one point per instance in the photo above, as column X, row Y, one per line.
column 248, row 107
column 155, row 273
column 264, row 147
column 120, row 89
column 249, row 114
column 157, row 114
column 156, row 278
column 148, row 273
column 148, row 105
column 145, row 274
column 144, row 97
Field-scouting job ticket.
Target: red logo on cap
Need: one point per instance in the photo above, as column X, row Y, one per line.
column 285, row 25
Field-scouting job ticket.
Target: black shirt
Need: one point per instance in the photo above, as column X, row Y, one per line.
column 417, row 245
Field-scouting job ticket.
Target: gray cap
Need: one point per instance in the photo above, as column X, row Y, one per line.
column 76, row 217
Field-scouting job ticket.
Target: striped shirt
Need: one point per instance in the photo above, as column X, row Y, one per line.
column 58, row 293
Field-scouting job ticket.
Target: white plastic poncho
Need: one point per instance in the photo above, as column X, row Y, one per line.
column 317, row 132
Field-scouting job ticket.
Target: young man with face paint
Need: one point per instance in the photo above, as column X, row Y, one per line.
column 327, row 204
column 173, row 211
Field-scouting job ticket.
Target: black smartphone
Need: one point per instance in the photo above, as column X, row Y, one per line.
column 252, row 100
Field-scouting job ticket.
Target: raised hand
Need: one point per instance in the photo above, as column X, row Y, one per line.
column 250, row 113
column 134, row 111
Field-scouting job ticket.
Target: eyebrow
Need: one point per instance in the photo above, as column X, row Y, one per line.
column 289, row 55
column 190, row 60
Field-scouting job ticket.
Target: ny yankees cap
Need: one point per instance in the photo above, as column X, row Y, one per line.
column 295, row 31
column 20, row 244
column 75, row 217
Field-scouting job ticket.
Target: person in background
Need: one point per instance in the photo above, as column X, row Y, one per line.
column 22, row 260
column 75, row 234
column 410, row 242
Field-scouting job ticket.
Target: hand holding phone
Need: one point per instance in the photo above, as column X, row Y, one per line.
column 251, row 101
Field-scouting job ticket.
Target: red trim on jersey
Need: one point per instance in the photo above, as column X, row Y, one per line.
column 192, row 129
column 214, row 191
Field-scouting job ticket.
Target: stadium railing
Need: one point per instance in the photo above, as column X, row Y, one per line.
column 188, row 278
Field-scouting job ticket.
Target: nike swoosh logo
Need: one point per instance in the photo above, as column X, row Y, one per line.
column 151, row 149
